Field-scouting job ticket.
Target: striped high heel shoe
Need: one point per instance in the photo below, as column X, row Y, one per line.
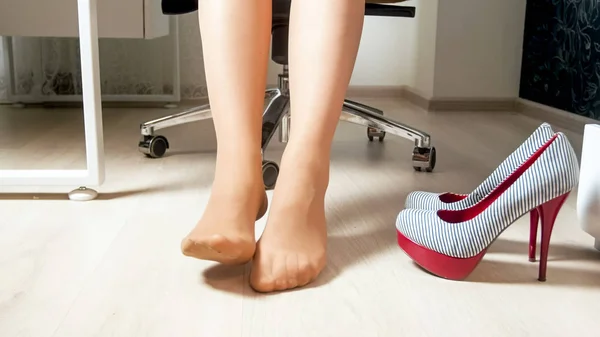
column 453, row 201
column 450, row 243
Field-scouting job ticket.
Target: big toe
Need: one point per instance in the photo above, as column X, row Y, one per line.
column 283, row 273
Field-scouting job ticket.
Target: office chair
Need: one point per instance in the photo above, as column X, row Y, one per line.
column 277, row 112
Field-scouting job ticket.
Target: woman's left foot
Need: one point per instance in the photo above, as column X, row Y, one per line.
column 292, row 250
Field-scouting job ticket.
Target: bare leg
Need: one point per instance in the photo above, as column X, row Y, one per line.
column 324, row 39
column 235, row 39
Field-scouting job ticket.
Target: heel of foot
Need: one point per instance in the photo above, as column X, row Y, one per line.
column 264, row 206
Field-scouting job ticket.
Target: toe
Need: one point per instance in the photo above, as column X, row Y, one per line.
column 260, row 282
column 290, row 273
column 281, row 284
column 283, row 273
column 187, row 246
column 307, row 271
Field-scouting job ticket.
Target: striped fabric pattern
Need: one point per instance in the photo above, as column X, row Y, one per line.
column 554, row 173
column 431, row 201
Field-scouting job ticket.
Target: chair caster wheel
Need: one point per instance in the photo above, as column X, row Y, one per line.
column 424, row 159
column 270, row 172
column 373, row 132
column 153, row 146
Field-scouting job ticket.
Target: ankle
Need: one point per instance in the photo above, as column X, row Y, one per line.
column 307, row 166
column 241, row 169
column 238, row 159
column 307, row 153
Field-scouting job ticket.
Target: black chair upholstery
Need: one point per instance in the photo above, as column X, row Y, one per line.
column 178, row 7
column 281, row 17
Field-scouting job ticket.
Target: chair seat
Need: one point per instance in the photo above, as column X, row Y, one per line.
column 178, row 7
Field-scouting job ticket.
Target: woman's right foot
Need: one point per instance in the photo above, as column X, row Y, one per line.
column 225, row 233
column 292, row 250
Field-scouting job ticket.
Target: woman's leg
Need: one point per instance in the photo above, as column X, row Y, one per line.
column 324, row 38
column 235, row 40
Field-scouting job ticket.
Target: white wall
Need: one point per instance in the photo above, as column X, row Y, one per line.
column 479, row 48
column 3, row 77
column 386, row 56
column 425, row 39
column 452, row 49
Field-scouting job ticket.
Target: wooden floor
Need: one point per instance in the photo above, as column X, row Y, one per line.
column 112, row 267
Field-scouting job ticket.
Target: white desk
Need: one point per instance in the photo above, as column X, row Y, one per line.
column 132, row 19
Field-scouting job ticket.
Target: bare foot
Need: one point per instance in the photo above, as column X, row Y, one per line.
column 225, row 233
column 292, row 251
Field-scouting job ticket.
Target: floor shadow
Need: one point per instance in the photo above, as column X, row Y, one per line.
column 189, row 152
column 343, row 250
column 489, row 271
column 557, row 252
column 346, row 250
column 527, row 273
column 229, row 279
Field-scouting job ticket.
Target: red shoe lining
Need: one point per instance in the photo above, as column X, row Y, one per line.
column 451, row 197
column 470, row 213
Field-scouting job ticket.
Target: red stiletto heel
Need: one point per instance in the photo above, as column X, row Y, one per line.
column 534, row 218
column 451, row 243
column 548, row 213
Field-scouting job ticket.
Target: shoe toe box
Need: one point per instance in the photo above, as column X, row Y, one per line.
column 414, row 223
column 423, row 200
column 426, row 229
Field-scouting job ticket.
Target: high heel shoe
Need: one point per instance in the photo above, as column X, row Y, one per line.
column 450, row 243
column 454, row 201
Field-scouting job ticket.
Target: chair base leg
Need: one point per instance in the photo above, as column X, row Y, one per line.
column 424, row 155
column 277, row 114
column 278, row 108
column 155, row 146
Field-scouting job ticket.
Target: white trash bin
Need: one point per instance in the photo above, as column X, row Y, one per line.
column 588, row 197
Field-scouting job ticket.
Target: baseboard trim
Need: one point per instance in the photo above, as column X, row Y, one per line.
column 439, row 104
column 374, row 91
column 436, row 104
column 560, row 118
column 186, row 103
column 472, row 104
column 415, row 98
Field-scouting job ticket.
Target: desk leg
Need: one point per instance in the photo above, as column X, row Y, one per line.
column 92, row 104
column 93, row 175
